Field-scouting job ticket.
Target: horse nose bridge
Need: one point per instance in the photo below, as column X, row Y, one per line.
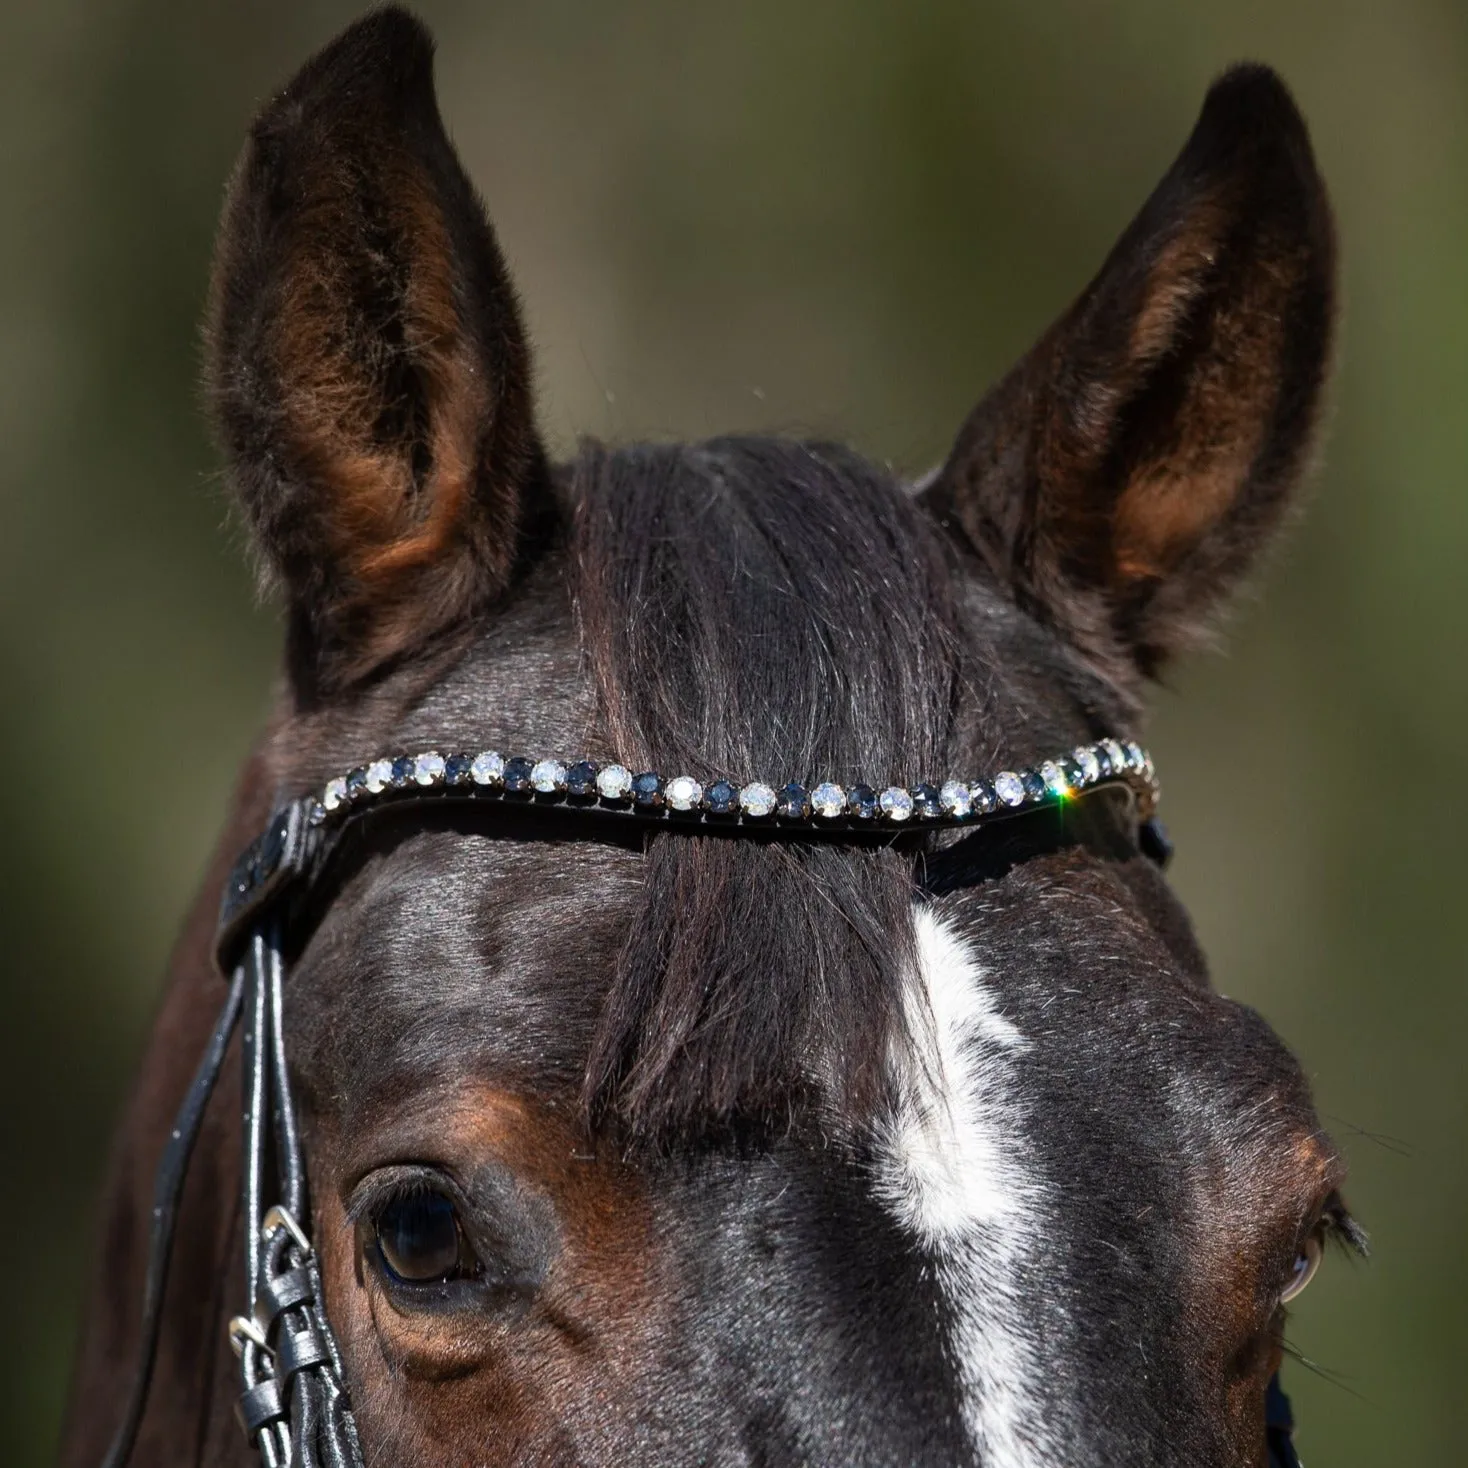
column 821, row 1328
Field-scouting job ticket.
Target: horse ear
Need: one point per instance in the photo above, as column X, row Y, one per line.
column 1129, row 470
column 366, row 361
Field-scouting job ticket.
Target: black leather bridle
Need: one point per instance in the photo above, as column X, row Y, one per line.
column 293, row 1405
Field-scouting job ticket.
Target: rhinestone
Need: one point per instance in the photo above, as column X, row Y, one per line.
column 1090, row 766
column 895, row 803
column 1054, row 778
column 581, row 778
column 488, row 768
column 828, row 800
column 757, row 799
column 984, row 797
column 955, row 799
column 318, row 813
column 428, row 768
column 548, row 776
column 379, row 775
column 517, row 774
column 683, row 792
column 614, row 782
column 862, row 802
column 402, row 771
column 335, row 793
column 1009, row 788
column 793, row 802
column 1135, row 760
column 1115, row 755
column 926, row 802
column 647, row 790
column 1035, row 788
column 721, row 798
column 356, row 783
column 457, row 769
column 1075, row 777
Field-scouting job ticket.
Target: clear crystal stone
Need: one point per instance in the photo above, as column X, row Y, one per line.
column 335, row 794
column 1135, row 759
column 548, row 776
column 613, row 782
column 487, row 768
column 1009, row 788
column 428, row 768
column 379, row 775
column 757, row 799
column 1054, row 778
column 1116, row 754
column 828, row 800
column 895, row 803
column 1085, row 757
column 683, row 792
column 955, row 799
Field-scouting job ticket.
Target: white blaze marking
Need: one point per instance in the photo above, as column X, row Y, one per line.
column 950, row 1169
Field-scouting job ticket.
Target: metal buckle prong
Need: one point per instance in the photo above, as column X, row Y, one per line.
column 242, row 1329
column 280, row 1217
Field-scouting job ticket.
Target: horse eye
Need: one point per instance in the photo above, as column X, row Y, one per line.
column 419, row 1239
column 1307, row 1261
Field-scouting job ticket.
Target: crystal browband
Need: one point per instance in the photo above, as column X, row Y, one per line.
column 300, row 834
column 681, row 797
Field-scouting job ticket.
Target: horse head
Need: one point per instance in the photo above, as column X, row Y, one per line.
column 647, row 1143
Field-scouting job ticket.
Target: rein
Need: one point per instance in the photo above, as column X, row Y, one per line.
column 293, row 1406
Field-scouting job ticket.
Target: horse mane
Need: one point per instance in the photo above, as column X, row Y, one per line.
column 781, row 610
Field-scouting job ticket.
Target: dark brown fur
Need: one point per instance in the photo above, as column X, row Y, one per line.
column 1126, row 473
column 367, row 364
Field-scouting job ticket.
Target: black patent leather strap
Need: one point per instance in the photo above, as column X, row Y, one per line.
column 167, row 1188
column 1279, row 1427
column 259, row 1407
column 284, row 852
column 293, row 1405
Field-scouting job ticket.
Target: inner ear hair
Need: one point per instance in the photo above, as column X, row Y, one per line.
column 1131, row 468
column 367, row 366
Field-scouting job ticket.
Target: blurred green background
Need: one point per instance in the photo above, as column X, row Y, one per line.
column 823, row 217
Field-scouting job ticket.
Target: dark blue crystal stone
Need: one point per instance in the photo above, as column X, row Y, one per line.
column 1104, row 760
column 357, row 784
column 647, row 790
column 1075, row 776
column 1034, row 783
column 581, row 778
column 986, row 802
column 402, row 771
column 721, row 798
column 927, row 805
column 792, row 802
column 456, row 769
column 517, row 774
column 861, row 801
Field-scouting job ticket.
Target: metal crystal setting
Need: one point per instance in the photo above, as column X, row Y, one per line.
column 951, row 802
column 683, row 792
column 614, row 782
column 828, row 801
